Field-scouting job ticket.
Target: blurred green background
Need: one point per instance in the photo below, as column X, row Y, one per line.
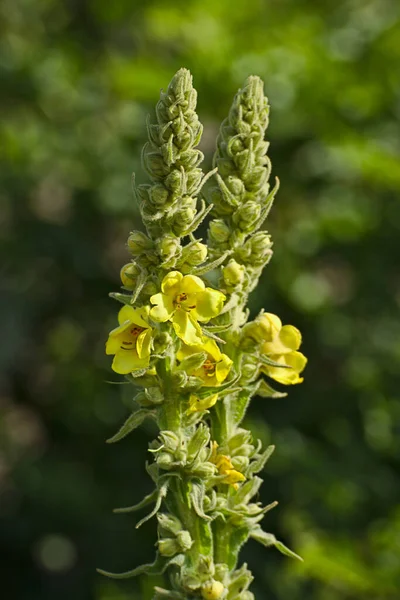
column 78, row 78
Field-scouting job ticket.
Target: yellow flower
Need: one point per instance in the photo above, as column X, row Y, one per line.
column 225, row 467
column 131, row 341
column 185, row 300
column 216, row 367
column 281, row 345
column 199, row 404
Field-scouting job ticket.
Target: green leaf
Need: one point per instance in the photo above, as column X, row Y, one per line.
column 196, row 495
column 259, row 463
column 242, row 402
column 193, row 362
column 123, row 298
column 268, row 539
column 272, row 363
column 158, row 567
column 266, row 391
column 213, row 264
column 161, row 494
column 132, row 422
column 146, row 500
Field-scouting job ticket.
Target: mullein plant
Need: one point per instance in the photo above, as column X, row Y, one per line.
column 185, row 342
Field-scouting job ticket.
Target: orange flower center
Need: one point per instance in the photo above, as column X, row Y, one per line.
column 131, row 337
column 209, row 367
column 181, row 299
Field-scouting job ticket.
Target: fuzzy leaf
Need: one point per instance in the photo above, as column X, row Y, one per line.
column 266, row 391
column 123, row 298
column 242, row 401
column 158, row 567
column 213, row 264
column 146, row 500
column 132, row 422
column 196, row 495
column 272, row 363
column 162, row 492
column 259, row 463
column 268, row 539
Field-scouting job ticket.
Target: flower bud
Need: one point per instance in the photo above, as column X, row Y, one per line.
column 159, row 195
column 169, row 524
column 219, row 231
column 161, row 342
column 236, row 186
column 150, row 288
column 196, row 254
column 240, row 463
column 184, row 540
column 183, row 219
column 260, row 244
column 212, row 590
column 203, row 470
column 138, row 243
column 169, row 247
column 233, row 273
column 164, row 460
column 129, row 274
column 247, row 215
column 168, row 546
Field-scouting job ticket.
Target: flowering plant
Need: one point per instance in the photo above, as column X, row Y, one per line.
column 185, row 342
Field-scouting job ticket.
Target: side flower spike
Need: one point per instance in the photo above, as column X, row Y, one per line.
column 131, row 341
column 185, row 300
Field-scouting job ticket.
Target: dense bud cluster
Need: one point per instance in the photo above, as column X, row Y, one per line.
column 189, row 350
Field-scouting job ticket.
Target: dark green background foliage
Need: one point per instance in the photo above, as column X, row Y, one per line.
column 78, row 78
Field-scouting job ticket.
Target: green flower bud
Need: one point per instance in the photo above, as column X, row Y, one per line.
column 247, row 215
column 159, row 195
column 249, row 370
column 240, row 463
column 203, row 470
column 184, row 540
column 168, row 546
column 129, row 274
column 236, row 186
column 164, row 460
column 233, row 273
column 196, row 254
column 170, row 440
column 169, row 247
column 183, row 219
column 260, row 244
column 219, row 231
column 161, row 342
column 138, row 243
column 150, row 288
column 168, row 524
column 212, row 590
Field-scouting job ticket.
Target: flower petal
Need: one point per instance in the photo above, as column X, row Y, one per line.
column 125, row 314
column 186, row 328
column 289, row 339
column 222, row 368
column 208, row 304
column 113, row 343
column 196, row 404
column 127, row 361
column 171, row 283
column 164, row 308
column 191, row 284
column 143, row 343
